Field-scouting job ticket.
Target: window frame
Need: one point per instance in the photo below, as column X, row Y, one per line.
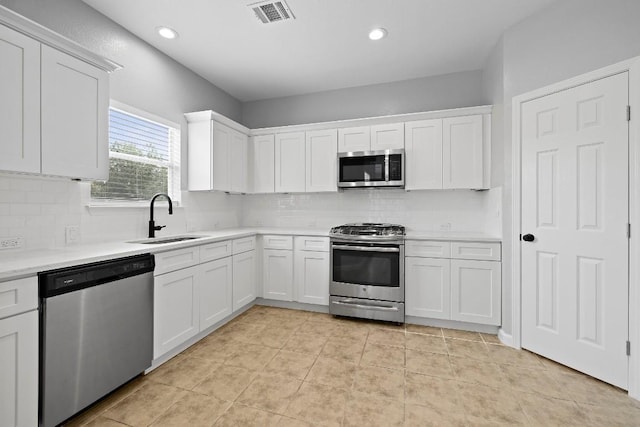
column 173, row 164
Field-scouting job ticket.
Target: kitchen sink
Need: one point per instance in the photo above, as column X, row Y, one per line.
column 168, row 239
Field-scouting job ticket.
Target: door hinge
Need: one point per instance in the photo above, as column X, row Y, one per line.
column 628, row 348
column 628, row 113
column 628, row 231
column 521, row 237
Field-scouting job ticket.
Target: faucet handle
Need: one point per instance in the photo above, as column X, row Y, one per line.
column 159, row 227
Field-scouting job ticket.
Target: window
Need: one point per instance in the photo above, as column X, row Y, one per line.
column 144, row 158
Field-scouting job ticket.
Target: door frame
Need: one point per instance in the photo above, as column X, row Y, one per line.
column 633, row 67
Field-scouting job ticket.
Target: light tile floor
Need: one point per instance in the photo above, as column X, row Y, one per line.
column 279, row 367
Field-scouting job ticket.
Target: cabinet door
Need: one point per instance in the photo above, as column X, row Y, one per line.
column 354, row 139
column 176, row 309
column 19, row 370
column 290, row 161
column 427, row 287
column 75, row 115
column 311, row 273
column 264, row 164
column 244, row 279
column 278, row 274
column 387, row 137
column 423, row 146
column 475, row 291
column 19, row 102
column 222, row 140
column 463, row 152
column 321, row 165
column 215, row 284
column 238, row 162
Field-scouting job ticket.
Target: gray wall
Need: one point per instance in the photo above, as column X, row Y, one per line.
column 569, row 38
column 409, row 96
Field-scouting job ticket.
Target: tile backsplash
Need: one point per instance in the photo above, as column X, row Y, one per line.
column 38, row 210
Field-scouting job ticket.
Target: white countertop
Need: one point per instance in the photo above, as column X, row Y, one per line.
column 17, row 264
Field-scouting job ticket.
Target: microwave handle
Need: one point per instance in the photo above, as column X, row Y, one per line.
column 386, row 168
column 365, row 248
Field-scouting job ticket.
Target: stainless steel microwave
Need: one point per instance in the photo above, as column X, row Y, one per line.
column 384, row 168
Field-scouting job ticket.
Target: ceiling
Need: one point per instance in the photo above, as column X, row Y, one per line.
column 326, row 47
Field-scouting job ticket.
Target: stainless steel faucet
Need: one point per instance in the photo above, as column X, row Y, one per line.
column 152, row 225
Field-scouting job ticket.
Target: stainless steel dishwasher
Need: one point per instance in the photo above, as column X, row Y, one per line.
column 96, row 332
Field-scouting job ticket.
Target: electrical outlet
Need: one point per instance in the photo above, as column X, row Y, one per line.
column 72, row 234
column 10, row 242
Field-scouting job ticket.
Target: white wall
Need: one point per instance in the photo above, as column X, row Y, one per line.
column 461, row 210
column 426, row 94
column 569, row 38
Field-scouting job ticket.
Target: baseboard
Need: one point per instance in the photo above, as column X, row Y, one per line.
column 505, row 338
column 452, row 324
column 293, row 305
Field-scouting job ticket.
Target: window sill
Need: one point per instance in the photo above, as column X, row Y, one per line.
column 108, row 207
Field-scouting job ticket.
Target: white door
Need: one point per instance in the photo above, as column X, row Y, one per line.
column 476, row 291
column 75, row 116
column 244, row 279
column 278, row 274
column 575, row 204
column 311, row 276
column 175, row 309
column 423, row 145
column 222, row 140
column 387, row 137
column 215, row 291
column 462, row 152
column 263, row 164
column 290, row 160
column 20, row 102
column 321, row 164
column 354, row 139
column 19, row 370
column 428, row 287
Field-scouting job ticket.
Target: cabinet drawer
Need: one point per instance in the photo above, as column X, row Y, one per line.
column 216, row 250
column 243, row 245
column 308, row 243
column 489, row 251
column 427, row 249
column 175, row 260
column 18, row 296
column 277, row 242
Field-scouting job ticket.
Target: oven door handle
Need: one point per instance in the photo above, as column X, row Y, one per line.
column 365, row 248
column 365, row 306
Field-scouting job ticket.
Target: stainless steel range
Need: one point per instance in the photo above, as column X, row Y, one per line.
column 367, row 271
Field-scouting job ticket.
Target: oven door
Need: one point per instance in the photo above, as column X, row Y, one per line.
column 367, row 270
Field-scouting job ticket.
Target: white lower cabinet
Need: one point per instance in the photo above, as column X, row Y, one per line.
column 475, row 291
column 216, row 291
column 311, row 274
column 428, row 287
column 244, row 279
column 447, row 286
column 277, row 271
column 19, row 370
column 176, row 309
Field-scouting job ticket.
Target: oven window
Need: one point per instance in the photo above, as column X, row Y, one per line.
column 366, row 268
column 359, row 169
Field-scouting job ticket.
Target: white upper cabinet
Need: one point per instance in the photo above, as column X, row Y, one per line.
column 387, row 137
column 423, row 145
column 290, row 162
column 264, row 167
column 354, row 139
column 321, row 160
column 463, row 157
column 75, row 117
column 19, row 102
column 218, row 154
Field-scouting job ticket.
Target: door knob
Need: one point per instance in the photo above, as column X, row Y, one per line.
column 528, row 237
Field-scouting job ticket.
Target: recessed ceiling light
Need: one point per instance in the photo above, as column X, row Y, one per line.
column 377, row 33
column 167, row 32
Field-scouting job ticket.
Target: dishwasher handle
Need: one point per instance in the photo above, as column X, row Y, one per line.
column 64, row 280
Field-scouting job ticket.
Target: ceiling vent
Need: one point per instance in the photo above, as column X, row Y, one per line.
column 272, row 11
